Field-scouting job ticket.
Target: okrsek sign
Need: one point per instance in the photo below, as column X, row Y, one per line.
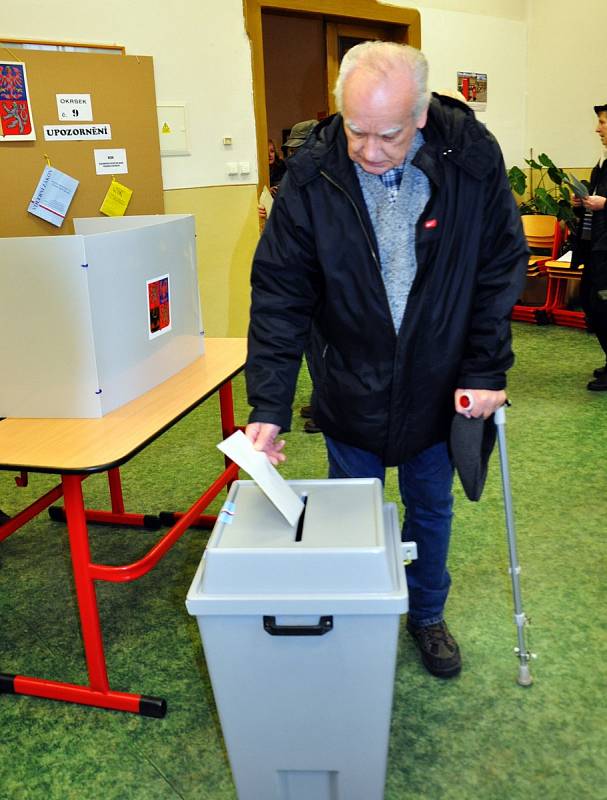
column 74, row 107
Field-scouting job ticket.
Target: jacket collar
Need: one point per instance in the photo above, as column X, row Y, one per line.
column 451, row 132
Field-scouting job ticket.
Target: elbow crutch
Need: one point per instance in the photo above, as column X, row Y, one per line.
column 520, row 618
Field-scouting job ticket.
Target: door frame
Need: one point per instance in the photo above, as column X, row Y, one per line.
column 334, row 10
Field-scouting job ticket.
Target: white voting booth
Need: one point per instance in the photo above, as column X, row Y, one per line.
column 94, row 320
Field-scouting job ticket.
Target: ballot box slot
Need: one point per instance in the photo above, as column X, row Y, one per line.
column 300, row 523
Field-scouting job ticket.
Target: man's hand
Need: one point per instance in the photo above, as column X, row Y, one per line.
column 263, row 435
column 484, row 402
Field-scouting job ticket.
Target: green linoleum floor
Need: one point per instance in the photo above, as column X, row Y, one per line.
column 479, row 736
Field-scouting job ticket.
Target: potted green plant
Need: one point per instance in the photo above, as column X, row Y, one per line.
column 554, row 198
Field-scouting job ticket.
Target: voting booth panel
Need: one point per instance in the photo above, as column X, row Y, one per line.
column 93, row 320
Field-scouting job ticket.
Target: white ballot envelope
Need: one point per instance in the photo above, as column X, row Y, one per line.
column 258, row 466
column 266, row 200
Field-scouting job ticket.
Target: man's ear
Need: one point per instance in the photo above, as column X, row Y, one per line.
column 422, row 119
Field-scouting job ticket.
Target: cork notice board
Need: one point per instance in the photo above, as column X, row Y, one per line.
column 122, row 95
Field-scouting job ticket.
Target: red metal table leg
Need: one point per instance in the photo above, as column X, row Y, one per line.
column 226, row 405
column 98, row 692
column 85, row 588
column 17, row 521
column 117, row 516
column 115, row 484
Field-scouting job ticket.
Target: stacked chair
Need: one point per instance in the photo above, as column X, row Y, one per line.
column 544, row 236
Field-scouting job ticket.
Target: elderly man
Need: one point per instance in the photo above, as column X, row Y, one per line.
column 395, row 250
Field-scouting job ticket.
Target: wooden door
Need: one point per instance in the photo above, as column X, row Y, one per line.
column 340, row 37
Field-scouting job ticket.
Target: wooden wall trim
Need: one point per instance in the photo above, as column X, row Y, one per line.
column 343, row 10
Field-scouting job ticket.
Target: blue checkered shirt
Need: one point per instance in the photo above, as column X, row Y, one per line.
column 391, row 180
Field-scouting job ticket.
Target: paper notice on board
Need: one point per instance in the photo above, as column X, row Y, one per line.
column 241, row 450
column 116, row 200
column 53, row 196
column 74, row 107
column 111, row 162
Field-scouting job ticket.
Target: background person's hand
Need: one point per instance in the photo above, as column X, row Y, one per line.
column 263, row 435
column 594, row 202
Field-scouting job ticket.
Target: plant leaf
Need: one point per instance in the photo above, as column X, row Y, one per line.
column 546, row 203
column 517, row 180
column 545, row 161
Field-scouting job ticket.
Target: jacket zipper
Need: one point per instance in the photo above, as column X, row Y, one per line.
column 358, row 216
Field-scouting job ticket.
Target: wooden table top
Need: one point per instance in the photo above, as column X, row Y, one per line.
column 94, row 445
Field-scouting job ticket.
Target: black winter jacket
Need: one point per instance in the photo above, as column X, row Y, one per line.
column 317, row 285
column 593, row 254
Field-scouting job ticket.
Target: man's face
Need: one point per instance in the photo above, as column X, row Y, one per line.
column 601, row 127
column 378, row 119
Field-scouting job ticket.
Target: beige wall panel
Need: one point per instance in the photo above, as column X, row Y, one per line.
column 227, row 232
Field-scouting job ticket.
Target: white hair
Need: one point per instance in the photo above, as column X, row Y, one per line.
column 382, row 58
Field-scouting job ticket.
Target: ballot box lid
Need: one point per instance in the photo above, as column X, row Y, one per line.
column 344, row 551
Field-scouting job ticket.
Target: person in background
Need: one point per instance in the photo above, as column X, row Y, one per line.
column 394, row 254
column 277, row 167
column 297, row 136
column 590, row 249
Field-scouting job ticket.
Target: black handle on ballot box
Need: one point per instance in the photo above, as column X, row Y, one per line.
column 325, row 624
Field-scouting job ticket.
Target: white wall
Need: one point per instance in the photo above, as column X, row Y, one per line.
column 567, row 77
column 509, row 9
column 456, row 41
column 545, row 70
column 201, row 58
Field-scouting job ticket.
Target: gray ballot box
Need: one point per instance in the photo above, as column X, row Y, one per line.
column 299, row 626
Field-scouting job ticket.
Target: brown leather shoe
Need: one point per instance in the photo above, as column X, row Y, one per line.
column 438, row 649
column 598, row 384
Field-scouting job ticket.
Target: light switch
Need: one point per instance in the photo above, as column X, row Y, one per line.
column 232, row 168
column 245, row 167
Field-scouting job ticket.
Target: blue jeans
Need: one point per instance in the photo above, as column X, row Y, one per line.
column 425, row 484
